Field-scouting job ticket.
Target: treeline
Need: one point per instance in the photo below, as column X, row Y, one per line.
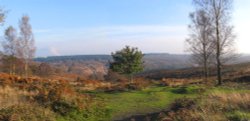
column 210, row 40
column 74, row 58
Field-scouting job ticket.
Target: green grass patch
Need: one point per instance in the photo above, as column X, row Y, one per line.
column 226, row 90
column 148, row 100
column 239, row 116
column 154, row 99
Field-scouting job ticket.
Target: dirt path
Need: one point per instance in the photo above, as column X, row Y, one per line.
column 145, row 117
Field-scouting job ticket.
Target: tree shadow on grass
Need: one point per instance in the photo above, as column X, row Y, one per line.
column 180, row 90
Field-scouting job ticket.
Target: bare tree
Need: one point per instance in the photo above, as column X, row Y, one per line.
column 219, row 12
column 27, row 42
column 200, row 39
column 10, row 46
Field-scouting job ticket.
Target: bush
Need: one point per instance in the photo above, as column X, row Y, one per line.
column 62, row 107
column 95, row 112
column 218, row 106
column 44, row 100
column 115, row 77
column 26, row 113
column 183, row 103
column 239, row 116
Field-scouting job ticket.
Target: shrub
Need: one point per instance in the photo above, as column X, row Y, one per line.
column 94, row 112
column 239, row 116
column 62, row 107
column 183, row 103
column 218, row 106
column 10, row 96
column 115, row 77
column 26, row 113
column 232, row 101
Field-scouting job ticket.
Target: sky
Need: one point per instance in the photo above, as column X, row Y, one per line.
column 77, row 27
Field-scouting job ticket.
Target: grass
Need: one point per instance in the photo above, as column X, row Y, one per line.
column 145, row 101
column 216, row 104
column 227, row 89
column 233, row 103
column 158, row 98
column 239, row 116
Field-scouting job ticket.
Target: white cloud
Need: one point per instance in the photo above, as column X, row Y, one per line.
column 54, row 51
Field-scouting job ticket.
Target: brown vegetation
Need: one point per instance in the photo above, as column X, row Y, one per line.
column 172, row 82
column 217, row 106
column 45, row 96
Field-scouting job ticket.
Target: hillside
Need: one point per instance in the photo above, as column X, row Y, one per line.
column 152, row 61
column 96, row 66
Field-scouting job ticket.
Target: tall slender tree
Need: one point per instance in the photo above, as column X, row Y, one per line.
column 27, row 43
column 10, row 47
column 219, row 11
column 200, row 39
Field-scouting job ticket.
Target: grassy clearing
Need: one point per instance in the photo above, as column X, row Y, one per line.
column 145, row 101
column 155, row 99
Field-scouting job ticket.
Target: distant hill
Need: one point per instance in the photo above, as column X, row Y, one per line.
column 74, row 58
column 152, row 61
column 166, row 61
column 97, row 65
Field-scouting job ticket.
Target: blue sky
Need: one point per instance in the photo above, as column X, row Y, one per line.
column 71, row 27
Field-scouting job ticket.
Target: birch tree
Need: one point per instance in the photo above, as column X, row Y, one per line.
column 219, row 11
column 200, row 40
column 27, row 43
column 10, row 48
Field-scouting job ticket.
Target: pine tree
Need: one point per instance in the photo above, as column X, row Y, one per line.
column 127, row 61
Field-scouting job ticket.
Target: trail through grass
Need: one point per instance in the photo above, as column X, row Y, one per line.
column 153, row 99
